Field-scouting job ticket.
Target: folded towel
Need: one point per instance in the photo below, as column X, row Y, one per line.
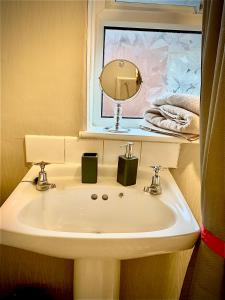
column 150, row 127
column 176, row 115
column 188, row 102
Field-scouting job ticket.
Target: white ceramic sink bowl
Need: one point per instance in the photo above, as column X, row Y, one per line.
column 66, row 222
column 73, row 210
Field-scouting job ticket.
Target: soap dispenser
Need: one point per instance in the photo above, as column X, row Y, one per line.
column 127, row 166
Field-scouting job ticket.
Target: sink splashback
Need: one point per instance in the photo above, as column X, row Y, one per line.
column 66, row 149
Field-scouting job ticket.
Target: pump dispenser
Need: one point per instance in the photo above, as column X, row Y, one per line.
column 127, row 166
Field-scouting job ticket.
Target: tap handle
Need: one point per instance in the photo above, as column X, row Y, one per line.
column 42, row 165
column 157, row 169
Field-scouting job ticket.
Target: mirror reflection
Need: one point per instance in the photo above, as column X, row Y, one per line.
column 120, row 79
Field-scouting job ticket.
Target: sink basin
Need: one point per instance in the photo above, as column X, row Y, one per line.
column 97, row 224
column 124, row 210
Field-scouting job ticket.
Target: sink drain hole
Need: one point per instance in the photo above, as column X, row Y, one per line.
column 105, row 197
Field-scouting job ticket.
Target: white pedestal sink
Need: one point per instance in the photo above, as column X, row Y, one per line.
column 96, row 278
column 66, row 222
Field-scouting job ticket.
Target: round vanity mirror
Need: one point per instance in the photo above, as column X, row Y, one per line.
column 121, row 80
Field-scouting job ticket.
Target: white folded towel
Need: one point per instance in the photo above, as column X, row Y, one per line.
column 175, row 115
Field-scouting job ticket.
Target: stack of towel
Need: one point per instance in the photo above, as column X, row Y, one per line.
column 174, row 114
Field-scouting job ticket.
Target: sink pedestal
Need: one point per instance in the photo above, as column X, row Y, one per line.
column 96, row 278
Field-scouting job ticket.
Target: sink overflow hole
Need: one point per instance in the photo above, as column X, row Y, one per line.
column 94, row 197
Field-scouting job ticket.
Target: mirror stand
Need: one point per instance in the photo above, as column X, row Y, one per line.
column 120, row 80
column 117, row 118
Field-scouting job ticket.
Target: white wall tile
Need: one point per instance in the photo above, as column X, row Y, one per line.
column 163, row 154
column 56, row 149
column 112, row 150
column 46, row 148
column 75, row 147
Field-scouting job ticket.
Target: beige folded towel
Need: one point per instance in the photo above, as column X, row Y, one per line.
column 174, row 116
column 150, row 127
column 188, row 102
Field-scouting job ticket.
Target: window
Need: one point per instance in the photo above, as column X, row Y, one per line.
column 169, row 61
column 193, row 3
column 167, row 53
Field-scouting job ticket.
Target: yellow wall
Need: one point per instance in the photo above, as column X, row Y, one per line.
column 43, row 76
column 187, row 176
column 43, row 92
column 0, row 107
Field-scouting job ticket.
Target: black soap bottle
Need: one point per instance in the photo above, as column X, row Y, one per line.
column 127, row 167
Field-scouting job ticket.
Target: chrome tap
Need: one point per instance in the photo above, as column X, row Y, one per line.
column 155, row 188
column 42, row 181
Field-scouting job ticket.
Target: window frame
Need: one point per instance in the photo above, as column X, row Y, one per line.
column 101, row 14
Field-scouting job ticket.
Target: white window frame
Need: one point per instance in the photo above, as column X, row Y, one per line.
column 108, row 13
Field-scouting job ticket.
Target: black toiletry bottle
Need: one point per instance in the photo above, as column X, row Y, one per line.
column 127, row 167
column 89, row 167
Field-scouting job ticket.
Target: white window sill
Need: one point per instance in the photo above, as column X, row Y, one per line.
column 134, row 134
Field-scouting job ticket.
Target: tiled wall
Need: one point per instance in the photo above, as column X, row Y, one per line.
column 65, row 149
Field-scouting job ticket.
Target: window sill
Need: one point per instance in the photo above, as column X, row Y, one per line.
column 134, row 134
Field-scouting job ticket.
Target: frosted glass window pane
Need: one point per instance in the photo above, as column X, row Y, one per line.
column 169, row 61
column 194, row 3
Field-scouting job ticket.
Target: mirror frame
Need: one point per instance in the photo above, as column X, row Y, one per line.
column 139, row 79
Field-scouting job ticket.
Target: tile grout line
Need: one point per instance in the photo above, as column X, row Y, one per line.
column 140, row 154
column 103, row 151
column 64, row 149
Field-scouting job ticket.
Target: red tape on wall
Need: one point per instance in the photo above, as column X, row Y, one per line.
column 214, row 243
